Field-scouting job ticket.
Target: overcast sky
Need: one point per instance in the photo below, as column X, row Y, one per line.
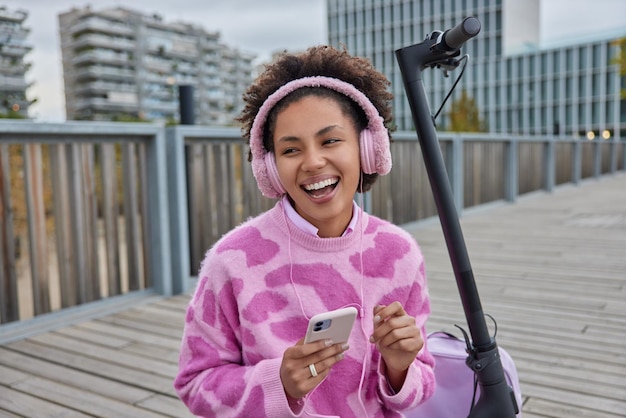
column 257, row 26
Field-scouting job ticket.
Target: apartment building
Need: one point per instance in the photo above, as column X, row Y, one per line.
column 520, row 85
column 13, row 67
column 120, row 64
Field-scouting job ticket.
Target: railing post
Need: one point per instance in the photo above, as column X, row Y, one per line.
column 179, row 215
column 577, row 162
column 511, row 181
column 613, row 155
column 597, row 158
column 454, row 167
column 160, row 257
column 549, row 164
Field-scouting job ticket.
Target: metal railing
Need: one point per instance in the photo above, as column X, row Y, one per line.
column 93, row 211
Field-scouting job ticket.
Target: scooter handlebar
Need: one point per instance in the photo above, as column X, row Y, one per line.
column 453, row 39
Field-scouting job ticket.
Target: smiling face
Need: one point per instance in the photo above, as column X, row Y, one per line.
column 316, row 147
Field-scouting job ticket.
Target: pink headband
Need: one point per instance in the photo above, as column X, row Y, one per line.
column 375, row 126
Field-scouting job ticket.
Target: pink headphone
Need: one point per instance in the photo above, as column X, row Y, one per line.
column 374, row 139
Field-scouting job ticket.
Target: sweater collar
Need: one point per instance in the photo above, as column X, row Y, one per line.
column 308, row 227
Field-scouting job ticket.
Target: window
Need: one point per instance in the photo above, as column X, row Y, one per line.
column 556, row 89
column 609, row 109
column 610, row 83
column 583, row 59
column 597, row 85
column 556, row 62
column 582, row 86
column 597, row 56
column 569, row 60
column 595, row 113
column 568, row 88
column 582, row 120
column 568, row 115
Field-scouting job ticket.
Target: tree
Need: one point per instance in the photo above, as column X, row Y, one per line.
column 464, row 115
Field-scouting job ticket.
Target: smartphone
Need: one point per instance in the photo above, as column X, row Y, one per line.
column 334, row 325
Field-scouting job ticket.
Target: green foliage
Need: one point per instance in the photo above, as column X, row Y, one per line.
column 464, row 115
column 126, row 117
column 11, row 114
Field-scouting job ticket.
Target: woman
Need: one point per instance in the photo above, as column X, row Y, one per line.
column 316, row 124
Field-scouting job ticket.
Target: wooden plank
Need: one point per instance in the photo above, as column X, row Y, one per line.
column 145, row 246
column 129, row 334
column 106, row 354
column 131, row 218
column 29, row 365
column 81, row 400
column 9, row 302
column 30, row 406
column 92, row 273
column 10, row 376
column 78, row 223
column 37, row 237
column 211, row 200
column 151, row 351
column 128, row 321
column 199, row 217
column 576, row 400
column 62, row 221
column 548, row 408
column 6, row 414
column 110, row 215
column 167, row 405
column 90, row 336
column 101, row 368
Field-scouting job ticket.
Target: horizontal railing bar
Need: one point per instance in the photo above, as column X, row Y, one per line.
column 20, row 330
column 80, row 127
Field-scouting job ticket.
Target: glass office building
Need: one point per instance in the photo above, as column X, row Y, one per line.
column 520, row 86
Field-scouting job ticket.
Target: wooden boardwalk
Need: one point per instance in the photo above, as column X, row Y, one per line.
column 551, row 269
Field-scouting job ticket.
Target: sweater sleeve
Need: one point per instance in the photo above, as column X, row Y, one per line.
column 419, row 384
column 213, row 378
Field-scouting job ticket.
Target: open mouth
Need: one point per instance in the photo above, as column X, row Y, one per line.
column 321, row 188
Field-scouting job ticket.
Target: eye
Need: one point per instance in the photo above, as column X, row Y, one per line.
column 331, row 141
column 287, row 151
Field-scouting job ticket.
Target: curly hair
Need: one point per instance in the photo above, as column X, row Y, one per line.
column 318, row 61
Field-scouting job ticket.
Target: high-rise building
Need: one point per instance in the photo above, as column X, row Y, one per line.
column 519, row 85
column 13, row 47
column 120, row 64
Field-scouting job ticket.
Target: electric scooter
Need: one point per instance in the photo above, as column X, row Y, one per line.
column 442, row 50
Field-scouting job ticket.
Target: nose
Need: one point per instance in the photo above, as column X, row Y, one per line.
column 313, row 160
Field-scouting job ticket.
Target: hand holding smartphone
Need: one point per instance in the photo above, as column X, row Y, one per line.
column 334, row 325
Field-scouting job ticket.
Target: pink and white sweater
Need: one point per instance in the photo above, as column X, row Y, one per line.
column 258, row 285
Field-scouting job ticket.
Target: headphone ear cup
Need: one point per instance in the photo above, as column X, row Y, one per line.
column 368, row 152
column 272, row 173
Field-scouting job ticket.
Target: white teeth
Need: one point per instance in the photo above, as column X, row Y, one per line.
column 320, row 184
